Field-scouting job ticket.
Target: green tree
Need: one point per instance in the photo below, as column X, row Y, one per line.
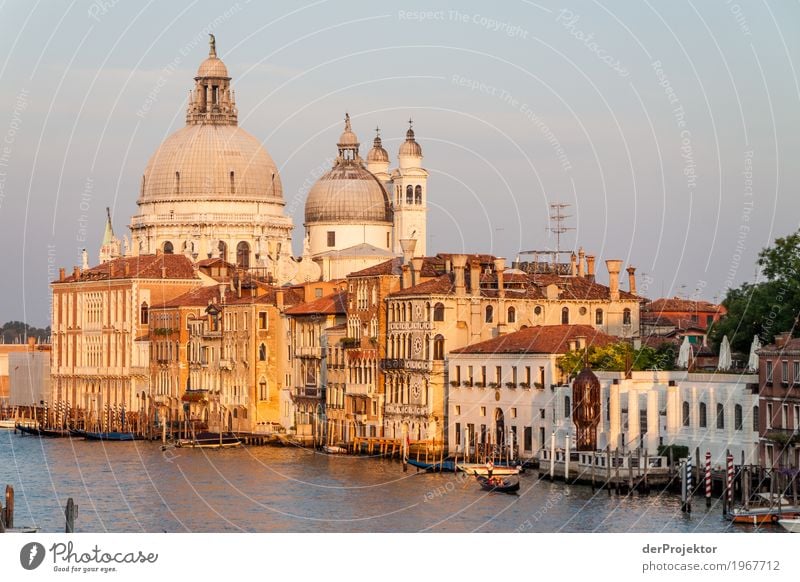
column 768, row 306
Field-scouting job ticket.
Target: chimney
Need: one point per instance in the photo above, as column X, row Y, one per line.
column 613, row 266
column 782, row 338
column 76, row 272
column 408, row 245
column 500, row 267
column 163, row 272
column 590, row 267
column 111, row 270
column 222, row 288
column 406, row 277
column 31, row 344
column 475, row 277
column 573, row 267
column 448, row 267
column 459, row 264
column 61, row 274
column 279, row 299
column 631, row 280
column 581, row 261
column 416, row 269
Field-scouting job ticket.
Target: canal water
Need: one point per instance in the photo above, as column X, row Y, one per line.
column 135, row 487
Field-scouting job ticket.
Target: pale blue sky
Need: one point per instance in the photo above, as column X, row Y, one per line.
column 89, row 90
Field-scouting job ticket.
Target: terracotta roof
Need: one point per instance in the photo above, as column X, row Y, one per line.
column 792, row 346
column 549, row 339
column 291, row 296
column 330, row 304
column 390, row 267
column 195, row 298
column 677, row 304
column 141, row 267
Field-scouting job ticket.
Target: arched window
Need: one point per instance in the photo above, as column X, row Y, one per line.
column 438, row 347
column 720, row 415
column 177, row 183
column 598, row 317
column 263, row 391
column 243, row 255
column 262, row 353
column 145, row 315
column 168, row 248
column 418, row 195
column 686, row 416
column 489, row 314
column 567, row 407
column 626, row 316
column 233, row 184
column 737, row 417
column 512, row 315
column 565, row 315
column 438, row 312
column 703, row 420
column 755, row 419
column 223, row 251
column 409, row 194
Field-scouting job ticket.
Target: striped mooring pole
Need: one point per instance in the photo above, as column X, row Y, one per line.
column 689, row 484
column 708, row 478
column 730, row 479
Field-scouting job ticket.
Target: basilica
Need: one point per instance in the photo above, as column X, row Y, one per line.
column 211, row 190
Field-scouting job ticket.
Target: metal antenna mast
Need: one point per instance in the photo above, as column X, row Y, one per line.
column 557, row 218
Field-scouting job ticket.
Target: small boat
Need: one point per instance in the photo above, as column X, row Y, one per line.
column 7, row 423
column 104, row 436
column 499, row 484
column 446, row 466
column 479, row 469
column 762, row 515
column 792, row 525
column 35, row 430
column 334, row 450
column 210, row 440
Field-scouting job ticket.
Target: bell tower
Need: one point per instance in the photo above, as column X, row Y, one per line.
column 410, row 195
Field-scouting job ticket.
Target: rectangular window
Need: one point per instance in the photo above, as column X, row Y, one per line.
column 470, row 434
column 528, row 375
column 458, row 374
column 387, row 241
column 541, row 436
column 528, row 438
column 784, row 372
column 374, row 408
column 331, row 238
column 483, row 375
column 262, row 320
column 541, row 377
column 458, row 433
column 769, row 371
column 513, row 413
column 483, row 411
column 469, row 373
column 796, row 379
column 458, row 409
column 796, row 417
column 483, row 434
column 514, row 374
column 785, row 416
column 498, row 374
column 769, row 415
column 541, row 413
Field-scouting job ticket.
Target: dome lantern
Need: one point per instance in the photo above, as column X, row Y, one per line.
column 212, row 101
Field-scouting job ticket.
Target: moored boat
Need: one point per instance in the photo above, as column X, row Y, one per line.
column 499, row 484
column 334, row 450
column 763, row 515
column 446, row 466
column 104, row 436
column 35, row 430
column 479, row 469
column 791, row 525
column 7, row 423
column 210, row 440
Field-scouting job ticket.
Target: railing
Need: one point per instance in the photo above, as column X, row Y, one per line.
column 360, row 389
column 398, row 364
column 308, row 352
column 307, row 392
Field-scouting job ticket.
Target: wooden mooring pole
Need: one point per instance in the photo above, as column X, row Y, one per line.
column 8, row 512
column 69, row 513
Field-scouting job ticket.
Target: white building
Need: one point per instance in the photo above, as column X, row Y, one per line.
column 212, row 190
column 352, row 222
column 511, row 385
column 29, row 378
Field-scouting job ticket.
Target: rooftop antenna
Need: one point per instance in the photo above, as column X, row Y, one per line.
column 557, row 218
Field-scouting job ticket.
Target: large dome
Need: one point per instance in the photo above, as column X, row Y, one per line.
column 211, row 162
column 348, row 193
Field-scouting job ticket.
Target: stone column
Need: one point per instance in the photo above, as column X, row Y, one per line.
column 674, row 411
column 615, row 416
column 632, row 436
column 652, row 421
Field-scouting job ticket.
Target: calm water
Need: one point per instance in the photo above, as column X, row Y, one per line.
column 135, row 487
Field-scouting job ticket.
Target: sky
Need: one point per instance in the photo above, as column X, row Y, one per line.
column 670, row 128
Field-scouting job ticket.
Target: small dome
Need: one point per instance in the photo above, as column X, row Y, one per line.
column 212, row 67
column 377, row 153
column 586, row 379
column 348, row 193
column 410, row 147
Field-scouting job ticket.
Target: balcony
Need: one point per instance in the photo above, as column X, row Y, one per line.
column 398, row 364
column 783, row 436
column 308, row 352
column 307, row 392
column 359, row 389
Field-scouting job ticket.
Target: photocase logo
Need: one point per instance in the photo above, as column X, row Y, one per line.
column 31, row 555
